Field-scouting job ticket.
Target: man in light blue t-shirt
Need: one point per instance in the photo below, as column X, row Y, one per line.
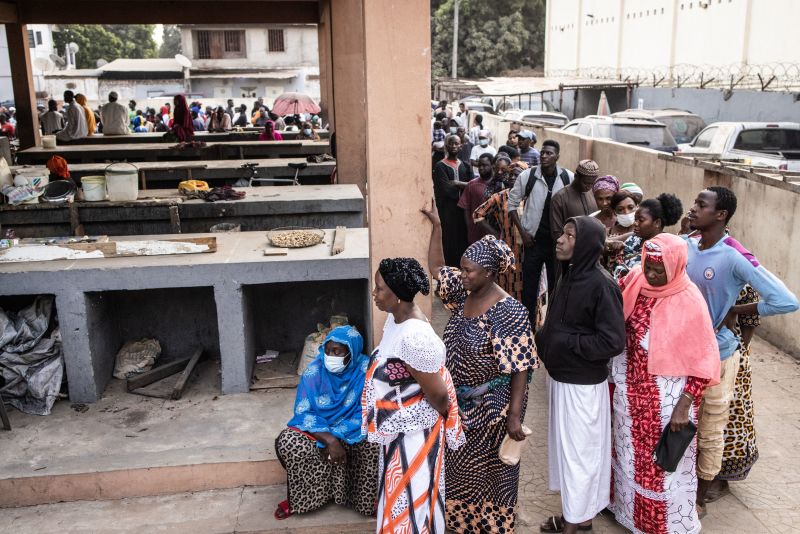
column 721, row 267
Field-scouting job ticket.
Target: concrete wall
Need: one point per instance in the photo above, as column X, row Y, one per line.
column 6, row 91
column 88, row 85
column 711, row 105
column 659, row 35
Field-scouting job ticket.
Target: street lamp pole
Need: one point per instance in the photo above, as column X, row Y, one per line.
column 454, row 67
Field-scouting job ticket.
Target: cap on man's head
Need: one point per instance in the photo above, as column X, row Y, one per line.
column 483, row 133
column 527, row 134
column 588, row 167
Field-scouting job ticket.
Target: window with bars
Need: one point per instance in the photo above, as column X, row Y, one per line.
column 31, row 40
column 275, row 41
column 219, row 44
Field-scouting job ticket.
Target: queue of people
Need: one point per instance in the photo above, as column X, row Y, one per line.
column 644, row 337
column 77, row 120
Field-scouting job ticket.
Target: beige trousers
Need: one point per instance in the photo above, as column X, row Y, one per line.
column 713, row 418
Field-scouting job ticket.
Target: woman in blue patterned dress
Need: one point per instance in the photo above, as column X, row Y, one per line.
column 490, row 354
column 323, row 449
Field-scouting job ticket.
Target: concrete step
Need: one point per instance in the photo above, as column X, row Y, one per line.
column 240, row 510
column 131, row 446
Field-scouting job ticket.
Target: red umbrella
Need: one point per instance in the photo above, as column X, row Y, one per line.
column 294, row 104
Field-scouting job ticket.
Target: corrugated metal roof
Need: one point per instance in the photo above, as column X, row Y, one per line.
column 142, row 65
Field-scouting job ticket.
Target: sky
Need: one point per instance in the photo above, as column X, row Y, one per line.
column 158, row 33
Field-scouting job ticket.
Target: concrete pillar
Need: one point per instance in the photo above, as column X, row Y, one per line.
column 82, row 374
column 398, row 59
column 235, row 337
column 22, row 82
column 349, row 89
column 326, row 63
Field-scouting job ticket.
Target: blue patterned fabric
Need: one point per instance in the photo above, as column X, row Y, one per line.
column 328, row 402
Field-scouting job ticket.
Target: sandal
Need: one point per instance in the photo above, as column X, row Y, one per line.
column 555, row 523
column 716, row 492
column 283, row 511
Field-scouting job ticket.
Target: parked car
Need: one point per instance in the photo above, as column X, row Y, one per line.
column 683, row 125
column 533, row 102
column 639, row 131
column 550, row 118
column 768, row 144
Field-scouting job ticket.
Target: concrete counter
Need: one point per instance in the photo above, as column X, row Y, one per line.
column 234, row 302
column 155, row 212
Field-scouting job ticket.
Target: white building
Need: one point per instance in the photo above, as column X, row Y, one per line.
column 252, row 61
column 40, row 42
column 675, row 40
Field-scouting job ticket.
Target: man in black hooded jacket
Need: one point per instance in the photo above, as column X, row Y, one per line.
column 584, row 329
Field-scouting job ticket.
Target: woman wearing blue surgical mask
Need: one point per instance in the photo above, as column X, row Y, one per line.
column 308, row 133
column 323, row 450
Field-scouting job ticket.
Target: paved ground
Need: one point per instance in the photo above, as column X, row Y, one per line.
column 769, row 501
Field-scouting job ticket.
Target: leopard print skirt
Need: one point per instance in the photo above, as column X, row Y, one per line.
column 312, row 482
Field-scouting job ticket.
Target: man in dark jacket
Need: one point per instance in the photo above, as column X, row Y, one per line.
column 584, row 329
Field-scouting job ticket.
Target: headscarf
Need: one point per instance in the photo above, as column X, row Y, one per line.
column 58, row 166
column 331, row 402
column 182, row 124
column 682, row 340
column 91, row 124
column 492, row 254
column 606, row 183
column 273, row 136
column 497, row 183
column 405, row 277
column 632, row 187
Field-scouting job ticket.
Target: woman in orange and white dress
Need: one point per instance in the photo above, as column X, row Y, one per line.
column 409, row 405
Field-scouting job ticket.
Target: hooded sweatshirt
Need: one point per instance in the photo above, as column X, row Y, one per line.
column 585, row 326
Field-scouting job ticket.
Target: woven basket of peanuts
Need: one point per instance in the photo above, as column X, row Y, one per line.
column 295, row 237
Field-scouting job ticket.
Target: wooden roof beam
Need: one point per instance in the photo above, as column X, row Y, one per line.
column 169, row 12
column 8, row 13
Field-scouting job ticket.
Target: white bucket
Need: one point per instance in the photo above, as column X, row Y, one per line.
column 94, row 188
column 122, row 182
column 48, row 141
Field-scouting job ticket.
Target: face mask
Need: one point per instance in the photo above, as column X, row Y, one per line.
column 307, row 132
column 484, row 142
column 334, row 364
column 453, row 130
column 626, row 219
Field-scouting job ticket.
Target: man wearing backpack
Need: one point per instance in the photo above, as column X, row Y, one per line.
column 533, row 191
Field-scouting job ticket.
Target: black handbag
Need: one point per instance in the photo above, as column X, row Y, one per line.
column 672, row 445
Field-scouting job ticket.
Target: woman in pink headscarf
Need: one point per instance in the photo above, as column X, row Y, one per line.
column 670, row 357
column 182, row 125
column 269, row 133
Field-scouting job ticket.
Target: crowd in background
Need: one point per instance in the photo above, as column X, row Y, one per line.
column 76, row 120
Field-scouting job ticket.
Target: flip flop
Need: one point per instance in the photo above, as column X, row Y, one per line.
column 555, row 524
column 283, row 511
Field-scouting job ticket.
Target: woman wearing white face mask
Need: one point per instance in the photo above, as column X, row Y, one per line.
column 308, row 133
column 323, row 448
column 624, row 206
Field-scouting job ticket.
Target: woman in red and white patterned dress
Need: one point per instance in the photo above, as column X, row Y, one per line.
column 671, row 356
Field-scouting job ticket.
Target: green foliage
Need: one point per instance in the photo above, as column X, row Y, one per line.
column 170, row 41
column 493, row 37
column 109, row 42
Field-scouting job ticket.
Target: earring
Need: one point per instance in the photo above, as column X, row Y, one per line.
column 398, row 301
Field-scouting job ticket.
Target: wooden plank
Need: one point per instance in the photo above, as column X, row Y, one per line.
column 156, row 373
column 180, row 385
column 108, row 249
column 339, row 240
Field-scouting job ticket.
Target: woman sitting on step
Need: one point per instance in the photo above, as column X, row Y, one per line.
column 323, row 449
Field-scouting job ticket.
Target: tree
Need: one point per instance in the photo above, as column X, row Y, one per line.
column 493, row 37
column 170, row 41
column 108, row 42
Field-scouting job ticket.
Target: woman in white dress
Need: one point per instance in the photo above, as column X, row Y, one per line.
column 409, row 405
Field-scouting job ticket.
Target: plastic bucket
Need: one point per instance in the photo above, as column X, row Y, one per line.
column 94, row 188
column 48, row 141
column 122, row 182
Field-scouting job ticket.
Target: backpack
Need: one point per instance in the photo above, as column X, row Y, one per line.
column 529, row 185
